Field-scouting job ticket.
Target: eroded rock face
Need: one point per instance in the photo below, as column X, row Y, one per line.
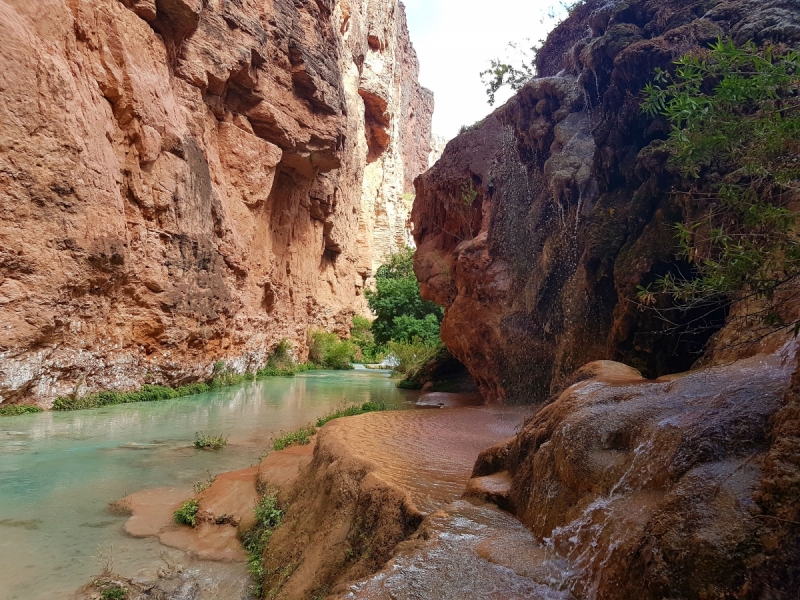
column 184, row 181
column 683, row 487
column 536, row 226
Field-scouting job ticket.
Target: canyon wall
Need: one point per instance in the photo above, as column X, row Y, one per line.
column 187, row 181
column 537, row 225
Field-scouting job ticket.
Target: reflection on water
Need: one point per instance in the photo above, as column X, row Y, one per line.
column 59, row 471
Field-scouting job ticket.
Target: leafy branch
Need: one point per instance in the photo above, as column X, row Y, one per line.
column 735, row 136
column 520, row 65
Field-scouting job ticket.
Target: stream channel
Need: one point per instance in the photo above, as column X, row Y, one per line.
column 60, row 470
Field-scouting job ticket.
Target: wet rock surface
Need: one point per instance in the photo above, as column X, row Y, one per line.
column 537, row 225
column 371, row 483
column 657, row 489
column 462, row 551
column 183, row 182
column 178, row 578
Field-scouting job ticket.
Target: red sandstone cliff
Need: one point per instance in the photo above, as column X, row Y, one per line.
column 182, row 181
column 573, row 207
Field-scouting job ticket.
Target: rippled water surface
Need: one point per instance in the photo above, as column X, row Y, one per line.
column 59, row 471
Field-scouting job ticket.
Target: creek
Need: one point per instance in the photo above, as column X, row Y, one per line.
column 60, row 470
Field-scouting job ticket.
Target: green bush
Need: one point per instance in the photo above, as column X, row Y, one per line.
column 340, row 355
column 735, row 125
column 270, row 371
column 409, row 383
column 211, row 442
column 328, row 351
column 228, row 379
column 400, row 312
column 187, row 513
column 367, row 350
column 413, row 355
column 18, row 409
column 281, row 357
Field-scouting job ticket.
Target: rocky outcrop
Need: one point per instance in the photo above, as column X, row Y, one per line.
column 537, row 225
column 683, row 487
column 371, row 481
column 183, row 182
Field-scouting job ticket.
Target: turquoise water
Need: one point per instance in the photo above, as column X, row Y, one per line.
column 59, row 471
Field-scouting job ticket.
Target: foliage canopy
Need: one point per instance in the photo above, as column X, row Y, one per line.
column 401, row 313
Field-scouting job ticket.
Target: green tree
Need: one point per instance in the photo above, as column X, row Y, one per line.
column 735, row 136
column 401, row 313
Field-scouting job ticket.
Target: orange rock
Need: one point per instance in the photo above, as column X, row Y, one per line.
column 185, row 182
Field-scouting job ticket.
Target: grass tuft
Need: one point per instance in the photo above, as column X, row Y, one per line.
column 301, row 437
column 203, row 484
column 294, row 438
column 352, row 411
column 114, row 593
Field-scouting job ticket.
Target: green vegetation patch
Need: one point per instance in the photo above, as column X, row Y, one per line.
column 18, row 409
column 148, row 393
column 302, row 436
column 367, row 349
column 203, row 484
column 294, row 438
column 255, row 540
column 114, row 593
column 210, row 442
column 280, row 364
column 413, row 355
column 329, row 352
column 352, row 411
column 400, row 312
column 187, row 513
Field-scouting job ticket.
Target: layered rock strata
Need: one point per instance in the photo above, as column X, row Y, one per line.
column 537, row 225
column 183, row 182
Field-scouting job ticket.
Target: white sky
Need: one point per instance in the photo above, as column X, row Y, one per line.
column 456, row 39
